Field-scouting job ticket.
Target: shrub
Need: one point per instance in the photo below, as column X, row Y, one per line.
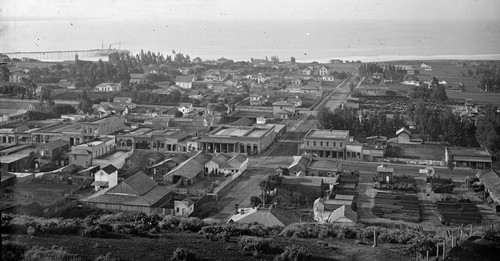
column 250, row 244
column 107, row 257
column 183, row 254
column 55, row 253
column 191, row 224
column 169, row 222
column 94, row 231
column 12, row 251
column 293, row 253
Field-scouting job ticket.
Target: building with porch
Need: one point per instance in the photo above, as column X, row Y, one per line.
column 241, row 139
column 320, row 143
column 474, row 158
column 84, row 154
column 149, row 139
column 224, row 164
column 187, row 173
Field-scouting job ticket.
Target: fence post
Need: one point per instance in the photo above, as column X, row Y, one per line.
column 374, row 238
column 427, row 257
column 444, row 248
column 437, row 251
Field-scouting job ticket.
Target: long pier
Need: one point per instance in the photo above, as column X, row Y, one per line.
column 63, row 55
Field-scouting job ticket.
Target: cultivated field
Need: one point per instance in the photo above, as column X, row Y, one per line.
column 477, row 97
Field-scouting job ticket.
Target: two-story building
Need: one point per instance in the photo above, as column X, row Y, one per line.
column 241, row 139
column 283, row 109
column 84, row 154
column 102, row 126
column 320, row 143
column 256, row 99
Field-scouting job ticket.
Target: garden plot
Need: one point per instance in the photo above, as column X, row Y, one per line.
column 456, row 212
column 397, row 207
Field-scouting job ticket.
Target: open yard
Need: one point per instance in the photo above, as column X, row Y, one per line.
column 452, row 74
column 480, row 98
column 417, row 152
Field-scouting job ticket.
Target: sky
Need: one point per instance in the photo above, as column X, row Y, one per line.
column 29, row 10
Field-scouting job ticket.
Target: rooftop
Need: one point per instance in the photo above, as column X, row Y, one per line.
column 469, row 152
column 327, row 134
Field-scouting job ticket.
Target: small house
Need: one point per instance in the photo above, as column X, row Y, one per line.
column 107, row 177
column 185, row 108
column 185, row 82
column 184, row 207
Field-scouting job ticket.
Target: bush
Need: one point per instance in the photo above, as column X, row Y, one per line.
column 183, row 254
column 191, row 224
column 55, row 253
column 250, row 244
column 293, row 253
column 12, row 251
column 107, row 257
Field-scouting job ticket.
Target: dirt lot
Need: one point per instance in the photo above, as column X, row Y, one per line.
column 238, row 192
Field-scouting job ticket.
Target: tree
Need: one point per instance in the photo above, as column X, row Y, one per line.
column 488, row 130
column 470, row 72
column 85, row 104
column 292, row 59
column 178, row 114
column 4, row 73
column 451, row 164
column 439, row 93
column 255, row 201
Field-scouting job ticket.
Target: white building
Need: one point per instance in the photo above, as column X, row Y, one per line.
column 108, row 87
column 184, row 207
column 106, row 177
column 185, row 108
column 227, row 164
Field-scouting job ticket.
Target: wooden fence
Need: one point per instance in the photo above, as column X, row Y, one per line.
column 455, row 237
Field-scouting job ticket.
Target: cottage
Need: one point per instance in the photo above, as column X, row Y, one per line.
column 299, row 165
column 264, row 216
column 185, row 82
column 137, row 78
column 226, row 164
column 185, row 108
column 405, row 136
column 491, row 182
column 323, row 71
column 107, row 177
column 108, row 87
column 384, row 173
column 184, row 207
column 342, row 215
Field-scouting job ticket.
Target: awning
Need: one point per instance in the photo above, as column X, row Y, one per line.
column 99, row 183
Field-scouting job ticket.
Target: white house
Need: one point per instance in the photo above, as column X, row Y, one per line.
column 323, row 71
column 342, row 215
column 185, row 82
column 106, row 177
column 108, row 87
column 184, row 207
column 185, row 108
column 226, row 164
column 328, row 78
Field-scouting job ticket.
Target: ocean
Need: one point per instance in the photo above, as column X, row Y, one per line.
column 306, row 40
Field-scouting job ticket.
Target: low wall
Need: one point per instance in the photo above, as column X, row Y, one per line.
column 416, row 162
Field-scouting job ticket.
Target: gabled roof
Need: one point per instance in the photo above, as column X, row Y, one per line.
column 237, row 160
column 221, row 159
column 283, row 103
column 181, row 78
column 139, row 184
column 300, row 161
column 191, row 167
column 404, row 129
column 109, row 169
column 256, row 215
column 243, row 122
column 491, row 181
column 343, row 212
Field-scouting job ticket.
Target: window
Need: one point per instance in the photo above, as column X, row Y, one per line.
column 320, row 143
column 334, row 144
column 327, row 144
column 314, row 143
column 307, row 143
column 177, row 210
column 341, row 144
